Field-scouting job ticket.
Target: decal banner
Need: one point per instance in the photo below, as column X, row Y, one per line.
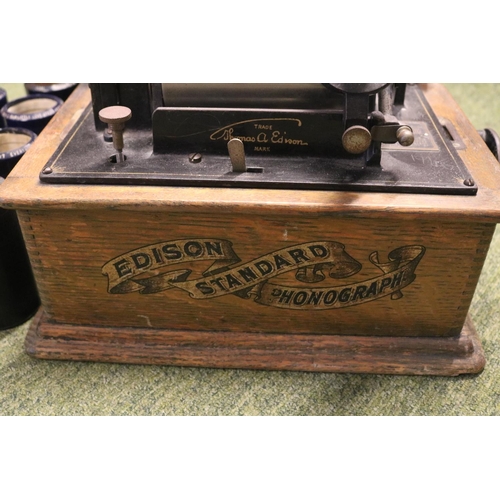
column 144, row 270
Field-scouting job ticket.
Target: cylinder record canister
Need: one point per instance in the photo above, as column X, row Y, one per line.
column 61, row 90
column 3, row 102
column 14, row 142
column 31, row 112
column 18, row 294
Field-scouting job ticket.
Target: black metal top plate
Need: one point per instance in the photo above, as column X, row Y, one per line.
column 430, row 165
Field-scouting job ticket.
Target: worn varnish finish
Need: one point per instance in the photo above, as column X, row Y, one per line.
column 80, row 237
column 72, row 250
column 323, row 353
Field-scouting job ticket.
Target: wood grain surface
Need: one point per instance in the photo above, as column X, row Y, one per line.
column 68, row 254
column 78, row 236
column 449, row 356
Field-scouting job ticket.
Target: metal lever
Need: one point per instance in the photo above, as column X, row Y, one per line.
column 357, row 139
column 393, row 132
column 237, row 155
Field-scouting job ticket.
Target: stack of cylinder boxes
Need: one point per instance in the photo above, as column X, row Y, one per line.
column 21, row 121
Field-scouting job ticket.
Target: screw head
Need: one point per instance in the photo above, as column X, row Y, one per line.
column 47, row 170
column 195, row 157
column 469, row 182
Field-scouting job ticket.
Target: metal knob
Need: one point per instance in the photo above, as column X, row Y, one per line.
column 116, row 117
column 356, row 139
column 405, row 136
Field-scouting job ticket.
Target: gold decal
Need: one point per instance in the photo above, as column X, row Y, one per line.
column 131, row 272
column 264, row 133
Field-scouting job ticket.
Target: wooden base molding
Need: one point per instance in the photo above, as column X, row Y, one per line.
column 457, row 355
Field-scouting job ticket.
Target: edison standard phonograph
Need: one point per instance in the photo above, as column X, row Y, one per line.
column 321, row 227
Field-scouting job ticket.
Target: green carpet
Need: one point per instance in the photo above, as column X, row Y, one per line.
column 32, row 387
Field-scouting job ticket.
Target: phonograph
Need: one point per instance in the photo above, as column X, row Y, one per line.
column 319, row 227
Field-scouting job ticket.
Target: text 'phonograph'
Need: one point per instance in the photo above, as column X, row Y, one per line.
column 318, row 227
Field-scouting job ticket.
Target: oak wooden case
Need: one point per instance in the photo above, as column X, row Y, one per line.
column 256, row 278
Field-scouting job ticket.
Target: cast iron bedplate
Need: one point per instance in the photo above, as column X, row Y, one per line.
column 430, row 165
